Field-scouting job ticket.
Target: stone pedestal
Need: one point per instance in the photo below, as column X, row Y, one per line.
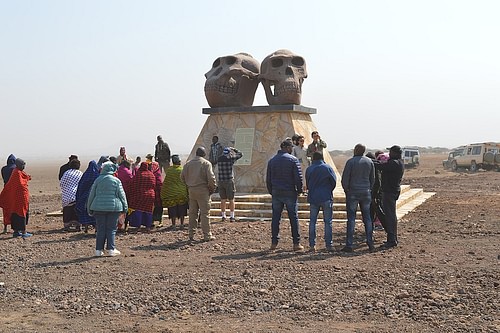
column 256, row 131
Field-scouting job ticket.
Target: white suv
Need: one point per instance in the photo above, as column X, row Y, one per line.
column 411, row 156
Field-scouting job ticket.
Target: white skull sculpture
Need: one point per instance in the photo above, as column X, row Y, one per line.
column 232, row 81
column 285, row 71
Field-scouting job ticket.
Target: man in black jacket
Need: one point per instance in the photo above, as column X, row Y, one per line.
column 392, row 173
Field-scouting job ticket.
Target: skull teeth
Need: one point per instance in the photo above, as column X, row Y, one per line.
column 231, row 88
column 286, row 88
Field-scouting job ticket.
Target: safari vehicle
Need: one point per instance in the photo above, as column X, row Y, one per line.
column 411, row 156
column 485, row 155
column 451, row 156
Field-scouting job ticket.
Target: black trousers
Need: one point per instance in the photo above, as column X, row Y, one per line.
column 391, row 220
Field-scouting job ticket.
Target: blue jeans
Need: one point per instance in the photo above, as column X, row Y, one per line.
column 364, row 200
column 327, row 218
column 288, row 199
column 106, row 225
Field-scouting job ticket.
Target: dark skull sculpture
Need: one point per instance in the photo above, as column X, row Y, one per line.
column 232, row 81
column 284, row 71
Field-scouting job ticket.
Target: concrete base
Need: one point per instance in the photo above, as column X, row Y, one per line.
column 257, row 132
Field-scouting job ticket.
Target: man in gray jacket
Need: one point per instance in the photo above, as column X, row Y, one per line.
column 358, row 178
column 200, row 180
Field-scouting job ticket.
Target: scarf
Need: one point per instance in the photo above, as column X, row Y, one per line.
column 69, row 184
column 82, row 193
column 141, row 190
column 15, row 195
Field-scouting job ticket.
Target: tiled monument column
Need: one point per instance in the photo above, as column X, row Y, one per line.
column 257, row 132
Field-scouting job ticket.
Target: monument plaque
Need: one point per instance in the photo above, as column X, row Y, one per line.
column 243, row 141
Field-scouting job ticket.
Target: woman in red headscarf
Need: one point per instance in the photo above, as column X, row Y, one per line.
column 141, row 196
column 14, row 199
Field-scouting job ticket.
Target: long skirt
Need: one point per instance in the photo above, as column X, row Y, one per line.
column 70, row 219
column 178, row 211
column 138, row 218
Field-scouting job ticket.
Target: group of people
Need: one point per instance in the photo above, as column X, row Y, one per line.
column 372, row 183
column 117, row 191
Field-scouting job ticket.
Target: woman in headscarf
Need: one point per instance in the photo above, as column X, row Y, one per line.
column 6, row 172
column 14, row 199
column 158, row 207
column 142, row 198
column 82, row 194
column 69, row 185
column 106, row 203
column 174, row 192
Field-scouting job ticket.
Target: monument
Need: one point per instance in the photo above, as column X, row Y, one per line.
column 256, row 131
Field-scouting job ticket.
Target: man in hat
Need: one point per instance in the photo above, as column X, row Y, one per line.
column 226, row 180
column 66, row 167
column 162, row 153
column 200, row 180
column 390, row 188
column 284, row 183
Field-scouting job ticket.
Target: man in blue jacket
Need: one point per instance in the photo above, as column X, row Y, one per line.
column 358, row 178
column 321, row 181
column 284, row 183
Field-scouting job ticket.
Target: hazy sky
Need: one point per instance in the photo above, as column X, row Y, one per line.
column 85, row 77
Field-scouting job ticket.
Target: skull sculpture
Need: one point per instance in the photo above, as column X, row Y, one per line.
column 285, row 71
column 232, row 81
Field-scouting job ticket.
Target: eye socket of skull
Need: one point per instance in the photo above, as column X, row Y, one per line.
column 230, row 60
column 216, row 63
column 277, row 62
column 298, row 61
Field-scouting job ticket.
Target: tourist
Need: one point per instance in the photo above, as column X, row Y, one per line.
column 174, row 193
column 316, row 145
column 122, row 156
column 106, row 203
column 14, row 199
column 300, row 152
column 226, row 180
column 357, row 181
column 216, row 151
column 390, row 188
column 321, row 181
column 65, row 167
column 162, row 154
column 200, row 180
column 284, row 183
column 141, row 194
column 69, row 185
column 82, row 195
column 6, row 172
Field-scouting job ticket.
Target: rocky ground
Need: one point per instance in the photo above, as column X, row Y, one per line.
column 444, row 276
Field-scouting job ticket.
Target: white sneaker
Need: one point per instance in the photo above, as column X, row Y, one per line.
column 113, row 253
column 99, row 253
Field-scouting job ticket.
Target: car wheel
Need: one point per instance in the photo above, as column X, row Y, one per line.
column 473, row 167
column 454, row 166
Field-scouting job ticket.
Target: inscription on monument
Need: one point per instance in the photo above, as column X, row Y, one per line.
column 243, row 141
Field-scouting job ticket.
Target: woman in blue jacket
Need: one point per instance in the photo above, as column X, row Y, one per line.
column 105, row 203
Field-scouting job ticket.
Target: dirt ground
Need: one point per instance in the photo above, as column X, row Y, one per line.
column 444, row 276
